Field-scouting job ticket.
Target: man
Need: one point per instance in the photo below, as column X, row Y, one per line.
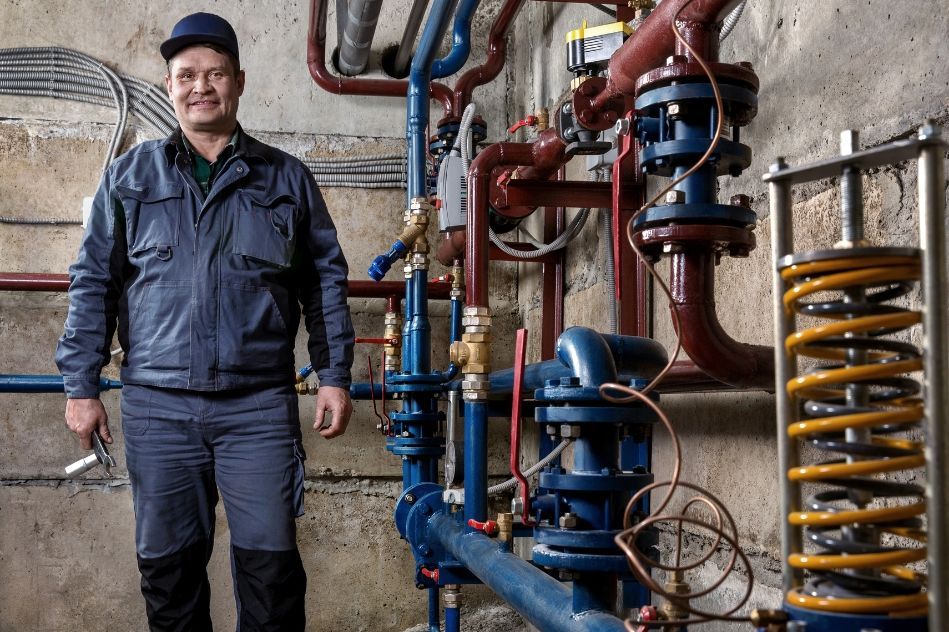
column 198, row 249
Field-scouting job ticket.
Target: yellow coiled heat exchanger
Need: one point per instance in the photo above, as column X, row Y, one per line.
column 855, row 399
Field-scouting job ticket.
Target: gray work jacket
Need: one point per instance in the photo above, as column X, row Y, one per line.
column 205, row 291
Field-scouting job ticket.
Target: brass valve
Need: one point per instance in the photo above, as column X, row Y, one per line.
column 472, row 352
column 393, row 350
column 505, row 527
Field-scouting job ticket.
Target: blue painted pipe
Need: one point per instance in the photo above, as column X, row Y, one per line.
column 363, row 392
column 433, row 614
column 461, row 47
column 539, row 598
column 476, row 461
column 420, row 328
column 44, row 384
column 587, row 353
column 452, row 619
column 579, row 352
column 417, row 94
column 454, row 332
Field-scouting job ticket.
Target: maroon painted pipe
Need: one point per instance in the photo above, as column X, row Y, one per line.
column 650, row 45
column 316, row 62
column 31, row 282
column 497, row 49
column 479, row 191
column 692, row 283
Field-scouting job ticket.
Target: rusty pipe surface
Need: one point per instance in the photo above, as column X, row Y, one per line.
column 497, row 49
column 316, row 62
column 692, row 283
column 33, row 282
column 650, row 45
column 479, row 191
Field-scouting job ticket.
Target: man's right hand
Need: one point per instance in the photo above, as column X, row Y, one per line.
column 84, row 416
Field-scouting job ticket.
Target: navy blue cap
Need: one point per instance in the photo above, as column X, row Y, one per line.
column 200, row 28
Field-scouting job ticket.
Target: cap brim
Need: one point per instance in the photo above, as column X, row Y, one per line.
column 171, row 47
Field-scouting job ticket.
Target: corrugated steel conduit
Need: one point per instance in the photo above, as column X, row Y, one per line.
column 359, row 27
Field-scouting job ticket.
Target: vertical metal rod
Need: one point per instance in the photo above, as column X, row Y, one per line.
column 851, row 190
column 782, row 243
column 412, row 24
column 932, row 229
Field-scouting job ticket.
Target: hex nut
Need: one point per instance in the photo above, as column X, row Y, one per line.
column 671, row 247
column 673, row 109
column 622, row 127
column 741, row 200
column 675, row 197
column 568, row 521
column 517, row 505
column 568, row 431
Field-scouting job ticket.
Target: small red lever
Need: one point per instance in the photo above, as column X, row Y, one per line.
column 489, row 527
column 530, row 120
column 431, row 574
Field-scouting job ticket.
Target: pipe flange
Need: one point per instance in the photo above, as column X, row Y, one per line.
column 681, row 70
column 734, row 241
column 589, row 116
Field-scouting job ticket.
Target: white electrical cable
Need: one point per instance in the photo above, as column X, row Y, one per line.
column 510, row 483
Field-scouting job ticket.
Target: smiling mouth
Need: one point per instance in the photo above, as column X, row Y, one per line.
column 202, row 104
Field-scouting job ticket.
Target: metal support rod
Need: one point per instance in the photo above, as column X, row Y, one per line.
column 932, row 229
column 851, row 190
column 400, row 67
column 782, row 243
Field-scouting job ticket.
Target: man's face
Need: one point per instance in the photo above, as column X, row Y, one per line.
column 204, row 90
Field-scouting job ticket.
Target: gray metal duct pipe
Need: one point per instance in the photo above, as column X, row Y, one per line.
column 358, row 31
column 400, row 67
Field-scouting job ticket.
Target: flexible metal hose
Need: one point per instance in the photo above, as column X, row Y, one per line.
column 606, row 245
column 511, row 483
column 731, row 20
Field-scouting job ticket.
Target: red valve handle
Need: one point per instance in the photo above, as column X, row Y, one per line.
column 530, row 120
column 489, row 527
column 431, row 574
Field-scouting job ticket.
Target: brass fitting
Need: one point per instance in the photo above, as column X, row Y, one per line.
column 505, row 527
column 305, row 388
column 474, row 386
column 472, row 352
column 672, row 609
column 457, row 282
column 543, row 119
column 393, row 351
column 452, row 596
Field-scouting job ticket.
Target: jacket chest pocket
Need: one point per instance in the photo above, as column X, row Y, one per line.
column 265, row 228
column 152, row 216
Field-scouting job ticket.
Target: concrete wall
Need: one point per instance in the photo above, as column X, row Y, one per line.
column 66, row 548
column 824, row 67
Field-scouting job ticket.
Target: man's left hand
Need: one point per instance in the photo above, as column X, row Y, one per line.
column 334, row 400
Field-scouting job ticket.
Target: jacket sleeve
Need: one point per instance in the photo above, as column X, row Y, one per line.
column 94, row 291
column 324, row 289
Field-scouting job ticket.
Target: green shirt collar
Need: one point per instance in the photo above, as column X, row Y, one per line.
column 204, row 171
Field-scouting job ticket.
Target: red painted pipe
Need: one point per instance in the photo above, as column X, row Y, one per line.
column 692, row 283
column 31, row 282
column 491, row 68
column 479, row 190
column 316, row 62
column 650, row 45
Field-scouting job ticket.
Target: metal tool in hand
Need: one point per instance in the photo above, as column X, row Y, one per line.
column 100, row 455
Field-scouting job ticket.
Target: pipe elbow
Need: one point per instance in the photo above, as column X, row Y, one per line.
column 584, row 351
